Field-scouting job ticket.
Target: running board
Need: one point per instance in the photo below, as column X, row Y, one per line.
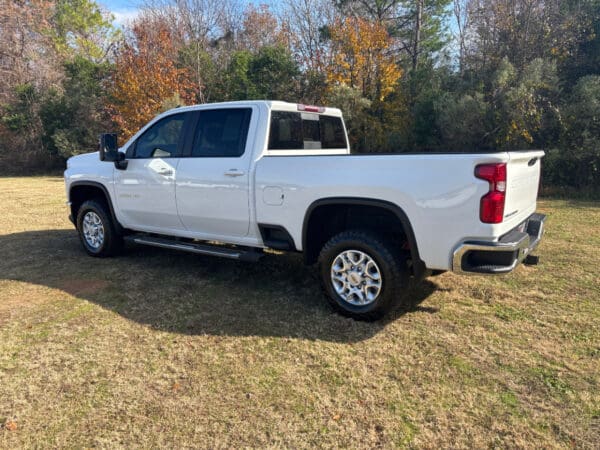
column 241, row 254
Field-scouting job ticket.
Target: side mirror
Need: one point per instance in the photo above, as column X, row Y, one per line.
column 108, row 147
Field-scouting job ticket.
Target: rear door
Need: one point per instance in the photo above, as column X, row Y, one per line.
column 523, row 178
column 213, row 179
column 145, row 190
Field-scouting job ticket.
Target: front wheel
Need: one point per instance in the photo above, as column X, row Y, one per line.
column 363, row 275
column 96, row 230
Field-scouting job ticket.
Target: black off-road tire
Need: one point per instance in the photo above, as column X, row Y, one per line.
column 392, row 265
column 112, row 243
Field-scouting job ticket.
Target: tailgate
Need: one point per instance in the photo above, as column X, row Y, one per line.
column 523, row 177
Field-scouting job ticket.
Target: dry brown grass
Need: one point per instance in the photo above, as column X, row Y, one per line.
column 157, row 348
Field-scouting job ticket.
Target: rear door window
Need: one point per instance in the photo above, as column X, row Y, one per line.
column 305, row 131
column 221, row 133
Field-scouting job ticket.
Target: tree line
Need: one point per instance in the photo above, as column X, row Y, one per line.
column 409, row 75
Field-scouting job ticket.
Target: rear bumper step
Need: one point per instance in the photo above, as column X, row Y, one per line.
column 242, row 254
column 502, row 256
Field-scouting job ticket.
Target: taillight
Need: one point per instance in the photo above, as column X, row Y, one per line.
column 492, row 204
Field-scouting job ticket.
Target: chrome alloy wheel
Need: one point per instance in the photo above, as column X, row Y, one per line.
column 93, row 230
column 356, row 277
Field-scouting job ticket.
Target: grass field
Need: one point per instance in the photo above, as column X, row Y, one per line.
column 157, row 348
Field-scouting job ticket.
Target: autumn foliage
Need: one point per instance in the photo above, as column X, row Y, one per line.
column 363, row 59
column 518, row 74
column 261, row 28
column 147, row 78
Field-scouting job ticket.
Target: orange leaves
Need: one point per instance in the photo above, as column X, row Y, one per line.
column 261, row 28
column 363, row 58
column 10, row 425
column 146, row 76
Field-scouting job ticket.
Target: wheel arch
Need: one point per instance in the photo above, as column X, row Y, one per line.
column 80, row 191
column 311, row 253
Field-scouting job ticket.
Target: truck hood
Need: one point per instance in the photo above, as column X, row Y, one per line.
column 83, row 159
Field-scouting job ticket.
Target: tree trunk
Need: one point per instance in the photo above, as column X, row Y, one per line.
column 417, row 41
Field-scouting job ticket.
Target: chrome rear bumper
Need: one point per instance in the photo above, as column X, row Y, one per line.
column 502, row 256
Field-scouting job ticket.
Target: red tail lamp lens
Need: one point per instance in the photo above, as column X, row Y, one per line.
column 492, row 204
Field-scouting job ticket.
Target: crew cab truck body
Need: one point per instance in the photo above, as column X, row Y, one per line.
column 265, row 174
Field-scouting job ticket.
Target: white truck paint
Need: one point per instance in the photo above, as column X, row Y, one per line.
column 228, row 199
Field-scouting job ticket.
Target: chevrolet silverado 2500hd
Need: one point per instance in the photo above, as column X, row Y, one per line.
column 232, row 179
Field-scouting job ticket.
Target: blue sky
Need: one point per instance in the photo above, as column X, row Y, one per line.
column 125, row 10
column 118, row 4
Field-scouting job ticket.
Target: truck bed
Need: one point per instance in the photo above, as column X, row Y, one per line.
column 438, row 192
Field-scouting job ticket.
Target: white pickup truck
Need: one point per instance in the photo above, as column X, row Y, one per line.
column 232, row 179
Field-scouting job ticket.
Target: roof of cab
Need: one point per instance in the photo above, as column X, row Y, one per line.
column 270, row 104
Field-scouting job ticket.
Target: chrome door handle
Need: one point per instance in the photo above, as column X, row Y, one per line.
column 234, row 173
column 165, row 172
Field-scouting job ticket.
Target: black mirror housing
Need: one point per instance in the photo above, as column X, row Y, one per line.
column 108, row 147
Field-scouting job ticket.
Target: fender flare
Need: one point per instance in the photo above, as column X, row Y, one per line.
column 419, row 267
column 103, row 188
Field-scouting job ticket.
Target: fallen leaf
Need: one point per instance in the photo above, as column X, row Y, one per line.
column 337, row 417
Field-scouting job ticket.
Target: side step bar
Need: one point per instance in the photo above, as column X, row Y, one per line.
column 241, row 254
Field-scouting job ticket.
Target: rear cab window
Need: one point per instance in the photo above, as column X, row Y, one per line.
column 304, row 133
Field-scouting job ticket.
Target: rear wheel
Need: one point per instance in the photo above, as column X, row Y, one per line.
column 363, row 275
column 96, row 230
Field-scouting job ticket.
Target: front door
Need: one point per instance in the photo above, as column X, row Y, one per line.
column 145, row 190
column 213, row 180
